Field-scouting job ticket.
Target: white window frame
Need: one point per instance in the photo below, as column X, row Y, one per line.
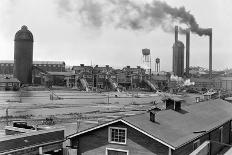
column 196, row 142
column 109, row 135
column 221, row 134
column 120, row 150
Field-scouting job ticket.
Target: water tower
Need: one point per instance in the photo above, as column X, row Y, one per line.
column 147, row 60
column 157, row 64
column 23, row 55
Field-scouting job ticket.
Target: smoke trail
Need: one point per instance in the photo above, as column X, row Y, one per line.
column 128, row 14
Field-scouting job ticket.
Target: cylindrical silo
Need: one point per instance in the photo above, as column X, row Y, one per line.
column 178, row 58
column 23, row 55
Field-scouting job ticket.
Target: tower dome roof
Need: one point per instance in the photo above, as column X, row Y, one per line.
column 24, row 34
column 179, row 44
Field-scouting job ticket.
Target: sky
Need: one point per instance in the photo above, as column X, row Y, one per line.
column 63, row 31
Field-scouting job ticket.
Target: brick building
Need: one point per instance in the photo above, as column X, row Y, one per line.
column 177, row 131
column 7, row 66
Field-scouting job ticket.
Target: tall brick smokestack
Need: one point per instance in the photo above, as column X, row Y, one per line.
column 210, row 53
column 187, row 51
column 176, row 34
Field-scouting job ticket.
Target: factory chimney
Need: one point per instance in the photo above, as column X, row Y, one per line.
column 187, row 51
column 176, row 34
column 210, row 54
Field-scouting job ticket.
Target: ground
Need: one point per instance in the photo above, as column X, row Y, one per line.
column 73, row 110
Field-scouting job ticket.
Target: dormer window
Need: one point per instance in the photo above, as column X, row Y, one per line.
column 117, row 135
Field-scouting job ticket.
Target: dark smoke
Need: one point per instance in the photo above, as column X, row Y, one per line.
column 128, row 14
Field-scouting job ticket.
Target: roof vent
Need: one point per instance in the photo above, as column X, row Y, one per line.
column 152, row 116
column 153, row 112
column 82, row 65
column 173, row 103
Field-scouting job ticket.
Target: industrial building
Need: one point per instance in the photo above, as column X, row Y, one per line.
column 7, row 66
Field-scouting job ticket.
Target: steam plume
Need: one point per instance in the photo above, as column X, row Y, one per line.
column 128, row 14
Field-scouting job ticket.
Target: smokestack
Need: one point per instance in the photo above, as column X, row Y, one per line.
column 187, row 51
column 176, row 34
column 210, row 53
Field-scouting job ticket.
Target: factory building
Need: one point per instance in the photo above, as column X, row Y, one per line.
column 7, row 66
column 50, row 66
column 178, row 56
column 23, row 55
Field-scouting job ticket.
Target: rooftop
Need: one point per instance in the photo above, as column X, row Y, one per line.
column 35, row 62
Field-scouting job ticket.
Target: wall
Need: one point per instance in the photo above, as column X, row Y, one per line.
column 214, row 136
column 188, row 148
column 96, row 142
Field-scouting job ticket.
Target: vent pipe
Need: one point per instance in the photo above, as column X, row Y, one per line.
column 210, row 54
column 176, row 34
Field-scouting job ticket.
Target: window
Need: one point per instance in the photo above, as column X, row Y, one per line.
column 196, row 144
column 111, row 151
column 101, row 76
column 221, row 134
column 117, row 135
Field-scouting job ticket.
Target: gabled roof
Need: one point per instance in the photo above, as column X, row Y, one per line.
column 175, row 129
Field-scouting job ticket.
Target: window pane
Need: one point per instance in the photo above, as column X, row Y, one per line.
column 118, row 135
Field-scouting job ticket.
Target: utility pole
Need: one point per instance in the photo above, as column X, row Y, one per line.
column 7, row 116
column 108, row 98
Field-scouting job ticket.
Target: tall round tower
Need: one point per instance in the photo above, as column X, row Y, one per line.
column 23, row 55
column 178, row 58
